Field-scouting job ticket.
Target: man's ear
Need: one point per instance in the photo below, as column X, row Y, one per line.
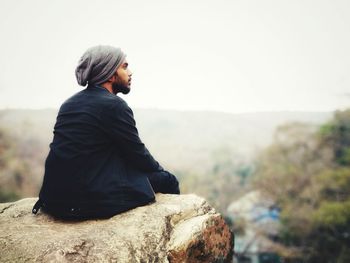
column 112, row 79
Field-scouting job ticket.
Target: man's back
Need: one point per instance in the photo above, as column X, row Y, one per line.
column 87, row 168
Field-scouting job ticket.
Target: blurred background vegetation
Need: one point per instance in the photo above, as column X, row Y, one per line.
column 306, row 171
column 299, row 162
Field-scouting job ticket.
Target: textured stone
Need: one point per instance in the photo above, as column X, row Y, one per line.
column 176, row 228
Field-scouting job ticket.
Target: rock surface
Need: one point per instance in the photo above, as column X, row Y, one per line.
column 176, row 228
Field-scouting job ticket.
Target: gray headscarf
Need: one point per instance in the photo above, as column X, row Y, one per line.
column 98, row 64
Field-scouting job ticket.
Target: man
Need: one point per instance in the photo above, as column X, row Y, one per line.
column 97, row 165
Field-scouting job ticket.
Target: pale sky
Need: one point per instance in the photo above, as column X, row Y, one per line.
column 231, row 56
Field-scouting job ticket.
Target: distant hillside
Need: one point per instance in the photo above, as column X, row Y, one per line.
column 178, row 139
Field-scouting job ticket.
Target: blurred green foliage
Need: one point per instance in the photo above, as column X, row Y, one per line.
column 306, row 170
column 19, row 160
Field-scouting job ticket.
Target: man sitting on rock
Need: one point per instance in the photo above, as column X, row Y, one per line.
column 97, row 166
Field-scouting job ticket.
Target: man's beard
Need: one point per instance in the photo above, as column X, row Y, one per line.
column 117, row 87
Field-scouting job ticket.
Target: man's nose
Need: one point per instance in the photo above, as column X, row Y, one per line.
column 129, row 72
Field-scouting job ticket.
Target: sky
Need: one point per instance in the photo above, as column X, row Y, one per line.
column 220, row 55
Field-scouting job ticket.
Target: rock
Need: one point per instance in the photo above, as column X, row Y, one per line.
column 176, row 228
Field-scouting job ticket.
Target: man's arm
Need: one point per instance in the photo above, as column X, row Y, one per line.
column 122, row 128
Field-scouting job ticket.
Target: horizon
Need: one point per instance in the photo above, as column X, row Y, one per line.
column 184, row 110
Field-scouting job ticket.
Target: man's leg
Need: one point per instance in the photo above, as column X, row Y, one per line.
column 164, row 182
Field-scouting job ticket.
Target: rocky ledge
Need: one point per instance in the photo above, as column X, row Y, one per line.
column 176, row 228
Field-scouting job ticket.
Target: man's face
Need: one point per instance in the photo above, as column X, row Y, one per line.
column 122, row 79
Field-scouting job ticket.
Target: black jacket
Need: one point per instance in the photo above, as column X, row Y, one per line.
column 97, row 162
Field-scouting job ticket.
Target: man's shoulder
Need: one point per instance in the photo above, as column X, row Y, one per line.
column 96, row 97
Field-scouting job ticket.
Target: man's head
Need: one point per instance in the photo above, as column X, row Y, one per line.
column 105, row 66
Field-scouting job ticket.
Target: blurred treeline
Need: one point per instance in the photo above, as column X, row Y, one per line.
column 21, row 164
column 306, row 171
